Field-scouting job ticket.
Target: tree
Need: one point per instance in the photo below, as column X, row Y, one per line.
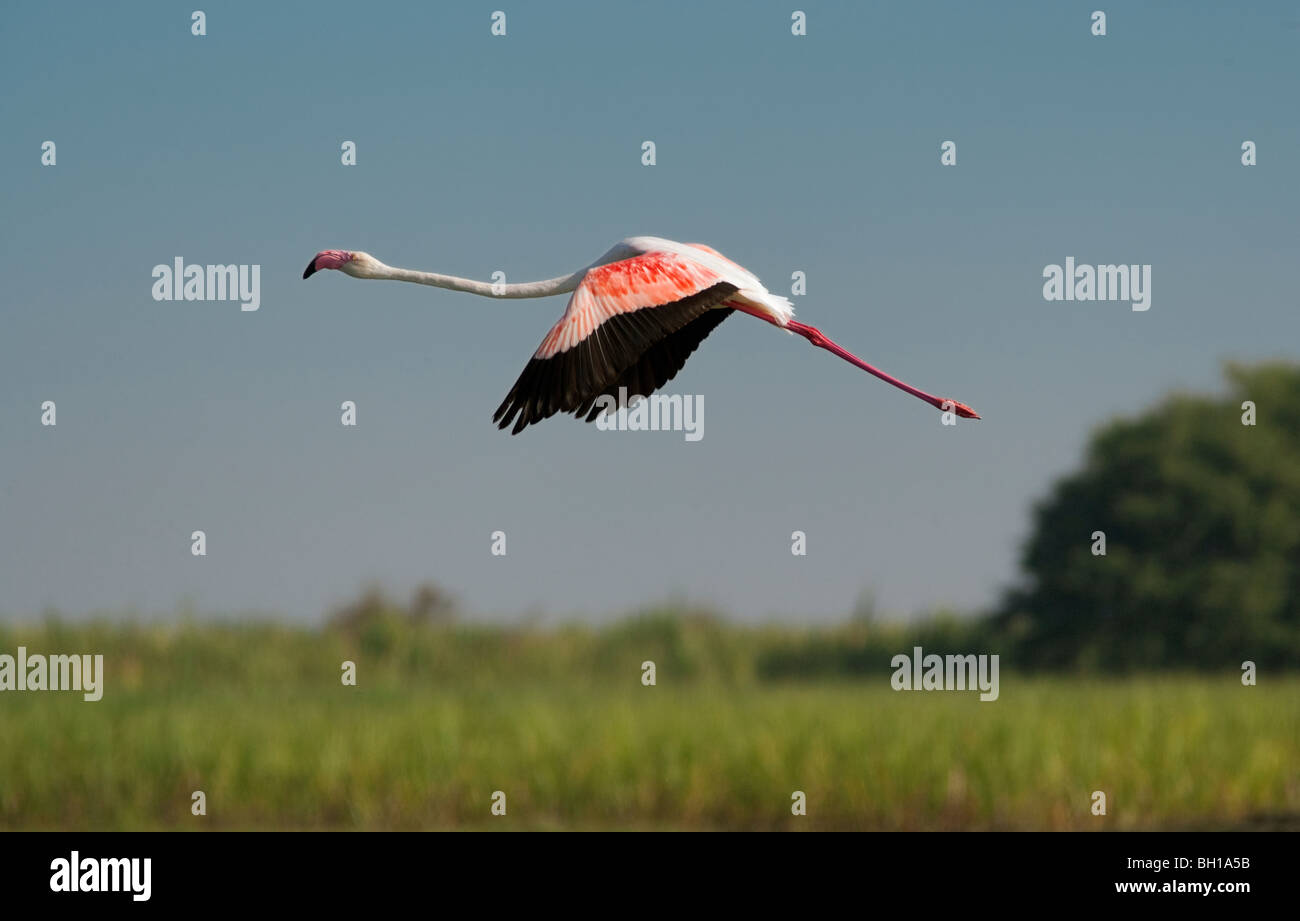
column 1201, row 516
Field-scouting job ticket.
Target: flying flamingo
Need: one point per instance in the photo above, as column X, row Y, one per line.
column 636, row 315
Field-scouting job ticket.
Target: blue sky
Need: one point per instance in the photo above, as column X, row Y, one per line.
column 522, row 154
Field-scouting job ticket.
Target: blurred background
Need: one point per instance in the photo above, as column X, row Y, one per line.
column 1175, row 431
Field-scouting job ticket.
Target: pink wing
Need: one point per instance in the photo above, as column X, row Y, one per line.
column 713, row 252
column 631, row 324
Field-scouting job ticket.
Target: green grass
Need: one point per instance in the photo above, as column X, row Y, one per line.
column 257, row 718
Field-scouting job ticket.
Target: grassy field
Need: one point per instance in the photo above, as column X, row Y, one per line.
column 258, row 719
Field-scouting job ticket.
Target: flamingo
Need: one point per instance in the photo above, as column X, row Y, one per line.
column 636, row 314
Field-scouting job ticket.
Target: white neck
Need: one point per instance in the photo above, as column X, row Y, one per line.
column 546, row 288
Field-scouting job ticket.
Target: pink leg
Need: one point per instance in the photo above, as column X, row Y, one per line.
column 815, row 336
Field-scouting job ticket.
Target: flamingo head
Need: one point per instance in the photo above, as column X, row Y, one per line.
column 357, row 264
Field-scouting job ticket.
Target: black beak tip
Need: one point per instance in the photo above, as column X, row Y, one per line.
column 311, row 269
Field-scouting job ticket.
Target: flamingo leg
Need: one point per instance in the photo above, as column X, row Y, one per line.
column 822, row 341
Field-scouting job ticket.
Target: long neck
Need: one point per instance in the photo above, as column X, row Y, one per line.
column 546, row 288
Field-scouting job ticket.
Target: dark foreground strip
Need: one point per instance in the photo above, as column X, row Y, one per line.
column 618, row 874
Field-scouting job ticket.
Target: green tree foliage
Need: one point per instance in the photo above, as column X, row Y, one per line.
column 1201, row 515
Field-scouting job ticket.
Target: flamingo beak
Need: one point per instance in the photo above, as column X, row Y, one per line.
column 965, row 411
column 327, row 259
